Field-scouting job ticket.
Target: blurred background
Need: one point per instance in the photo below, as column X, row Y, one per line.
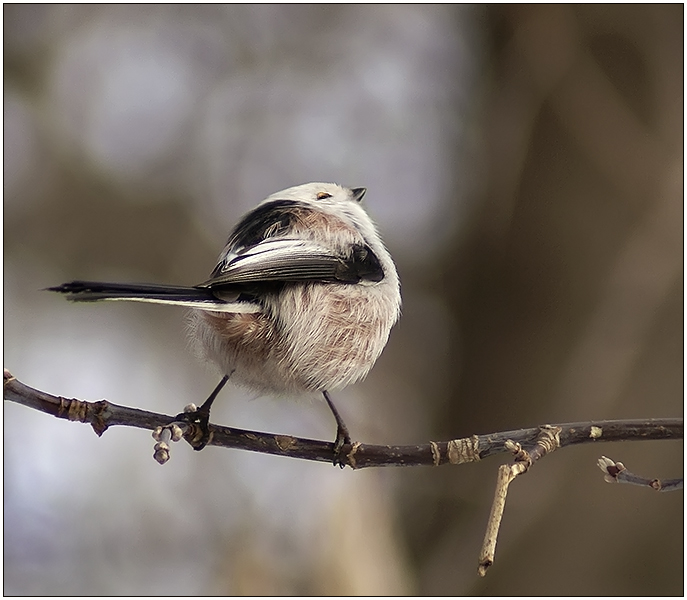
column 525, row 166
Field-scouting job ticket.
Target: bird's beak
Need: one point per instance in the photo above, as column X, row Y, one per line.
column 358, row 193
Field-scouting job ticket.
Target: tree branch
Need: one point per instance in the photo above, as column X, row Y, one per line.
column 103, row 414
column 528, row 445
column 616, row 472
column 547, row 441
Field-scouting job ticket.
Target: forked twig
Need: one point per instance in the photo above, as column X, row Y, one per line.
column 547, row 441
column 528, row 445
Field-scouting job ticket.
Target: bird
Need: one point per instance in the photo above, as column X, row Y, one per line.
column 302, row 299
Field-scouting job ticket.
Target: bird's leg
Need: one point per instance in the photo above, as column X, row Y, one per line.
column 200, row 417
column 342, row 435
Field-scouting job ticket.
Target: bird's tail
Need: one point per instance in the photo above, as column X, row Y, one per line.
column 192, row 297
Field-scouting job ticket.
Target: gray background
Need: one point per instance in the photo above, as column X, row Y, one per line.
column 525, row 165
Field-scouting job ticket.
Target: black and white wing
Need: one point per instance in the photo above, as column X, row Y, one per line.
column 259, row 256
column 295, row 260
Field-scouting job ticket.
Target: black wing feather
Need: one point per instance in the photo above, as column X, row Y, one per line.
column 287, row 260
column 254, row 254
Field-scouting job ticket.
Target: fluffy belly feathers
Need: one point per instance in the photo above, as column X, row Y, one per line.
column 310, row 337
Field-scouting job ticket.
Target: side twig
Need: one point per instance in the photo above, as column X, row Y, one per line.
column 616, row 472
column 528, row 445
column 103, row 414
column 547, row 441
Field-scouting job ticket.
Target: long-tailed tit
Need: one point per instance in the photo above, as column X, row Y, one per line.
column 302, row 299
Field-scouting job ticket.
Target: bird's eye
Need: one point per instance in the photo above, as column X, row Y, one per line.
column 323, row 195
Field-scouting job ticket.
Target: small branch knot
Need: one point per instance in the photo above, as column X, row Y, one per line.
column 285, row 442
column 351, row 455
column 463, row 450
column 526, row 445
column 436, row 453
column 73, row 410
column 548, row 440
column 521, row 455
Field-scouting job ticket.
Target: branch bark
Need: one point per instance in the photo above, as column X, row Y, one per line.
column 103, row 414
column 528, row 445
column 616, row 472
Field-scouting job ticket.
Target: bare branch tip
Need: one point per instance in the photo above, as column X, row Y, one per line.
column 616, row 472
column 483, row 566
column 610, row 468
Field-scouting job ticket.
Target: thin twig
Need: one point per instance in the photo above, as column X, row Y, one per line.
column 103, row 414
column 616, row 472
column 547, row 441
column 528, row 445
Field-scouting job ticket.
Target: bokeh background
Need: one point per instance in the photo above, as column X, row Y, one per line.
column 525, row 165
